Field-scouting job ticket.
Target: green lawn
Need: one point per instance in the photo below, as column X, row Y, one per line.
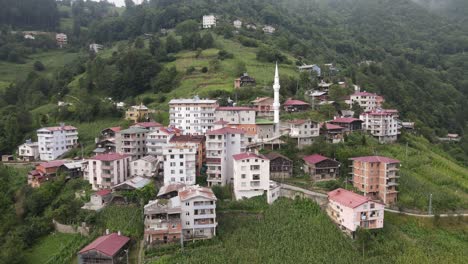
column 300, row 232
column 47, row 247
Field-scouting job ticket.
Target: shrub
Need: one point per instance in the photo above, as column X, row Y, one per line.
column 38, row 66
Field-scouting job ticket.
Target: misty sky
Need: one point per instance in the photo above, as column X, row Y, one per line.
column 120, row 2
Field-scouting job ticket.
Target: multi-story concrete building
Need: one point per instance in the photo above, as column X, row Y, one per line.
column 304, row 131
column 199, row 142
column 263, row 106
column 193, row 116
column 158, row 139
column 29, row 151
column 377, row 177
column 239, row 117
column 382, row 124
column 151, row 126
column 147, row 166
column 55, row 141
column 352, row 211
column 221, row 144
column 366, row 100
column 106, row 170
column 180, row 163
column 209, row 21
column 163, row 221
column 198, row 212
column 321, row 168
column 251, row 175
column 132, row 142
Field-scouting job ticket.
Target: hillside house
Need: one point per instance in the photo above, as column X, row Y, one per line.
column 348, row 123
column 180, row 163
column 106, row 170
column 28, row 151
column 110, row 248
column 304, row 131
column 200, row 143
column 147, row 166
column 382, row 124
column 263, row 106
column 251, row 175
column 367, row 101
column 311, row 68
column 267, row 29
column 151, row 126
column 44, row 172
column 377, row 177
column 61, row 39
column 321, row 168
column 281, row 167
column 244, row 80
column 132, row 142
column 291, row 105
column 138, row 113
column 98, row 201
column 352, row 211
column 55, row 141
column 333, row 133
column 209, row 21
column 237, row 24
column 163, row 221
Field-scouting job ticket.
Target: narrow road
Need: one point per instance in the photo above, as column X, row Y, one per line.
column 422, row 215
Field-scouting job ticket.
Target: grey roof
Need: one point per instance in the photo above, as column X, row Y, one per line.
column 99, row 150
column 134, row 130
column 136, row 182
column 149, row 158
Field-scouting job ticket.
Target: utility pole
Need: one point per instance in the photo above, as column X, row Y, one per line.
column 406, row 151
column 430, row 203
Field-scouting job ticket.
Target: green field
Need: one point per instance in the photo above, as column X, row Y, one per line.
column 52, row 60
column 48, row 246
column 299, row 232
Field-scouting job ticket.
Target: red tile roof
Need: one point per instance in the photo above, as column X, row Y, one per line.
column 364, row 94
column 170, row 130
column 52, row 164
column 247, row 155
column 375, row 159
column 275, row 155
column 115, row 129
column 260, row 99
column 225, row 130
column 108, row 245
column 347, row 198
column 109, row 157
column 294, row 102
column 234, row 108
column 329, row 126
column 103, row 192
column 314, row 159
column 188, row 138
column 382, row 112
column 148, row 124
column 345, row 120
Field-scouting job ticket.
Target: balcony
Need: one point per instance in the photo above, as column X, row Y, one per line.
column 204, row 223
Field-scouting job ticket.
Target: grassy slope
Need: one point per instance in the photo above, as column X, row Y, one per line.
column 298, row 232
column 47, row 247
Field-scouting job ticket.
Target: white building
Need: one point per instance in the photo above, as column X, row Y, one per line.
column 180, row 163
column 193, row 116
column 151, row 126
column 236, row 115
column 382, row 124
column 221, row 144
column 237, row 24
column 251, row 175
column 29, row 151
column 147, row 166
column 61, row 39
column 198, row 212
column 269, row 29
column 304, row 131
column 132, row 142
column 158, row 139
column 106, row 170
column 209, row 21
column 55, row 141
column 368, row 101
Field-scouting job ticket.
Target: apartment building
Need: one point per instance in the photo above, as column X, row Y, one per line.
column 193, row 116
column 239, row 117
column 199, row 141
column 382, row 124
column 352, row 211
column 132, row 142
column 163, row 221
column 251, row 175
column 221, row 144
column 377, row 177
column 55, row 141
column 147, row 166
column 209, row 21
column 366, row 100
column 180, row 163
column 151, row 126
column 158, row 139
column 263, row 106
column 106, row 170
column 304, row 131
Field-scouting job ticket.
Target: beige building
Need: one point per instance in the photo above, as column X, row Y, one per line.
column 132, row 142
column 106, row 170
column 138, row 113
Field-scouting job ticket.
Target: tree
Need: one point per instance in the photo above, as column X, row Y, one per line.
column 38, row 66
column 186, row 27
column 172, row 44
column 239, row 68
column 357, row 109
column 166, row 80
column 207, row 41
column 139, row 43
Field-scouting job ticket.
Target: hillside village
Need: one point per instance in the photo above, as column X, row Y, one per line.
column 176, row 173
column 229, row 145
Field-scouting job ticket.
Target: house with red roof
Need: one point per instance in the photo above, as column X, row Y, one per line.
column 43, row 172
column 382, row 124
column 349, row 124
column 98, row 200
column 110, row 248
column 292, row 105
column 251, row 175
column 104, row 171
column 377, row 177
column 351, row 211
column 151, row 126
column 333, row 133
column 321, row 168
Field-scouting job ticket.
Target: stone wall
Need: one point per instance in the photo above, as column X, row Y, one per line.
column 69, row 229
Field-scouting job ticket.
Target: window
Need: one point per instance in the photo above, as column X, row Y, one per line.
column 187, row 203
column 187, row 223
column 243, row 176
column 187, row 213
column 243, row 184
column 256, row 177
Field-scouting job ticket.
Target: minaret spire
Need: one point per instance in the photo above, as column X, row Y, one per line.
column 276, row 103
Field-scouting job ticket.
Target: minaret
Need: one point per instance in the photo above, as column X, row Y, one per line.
column 276, row 103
